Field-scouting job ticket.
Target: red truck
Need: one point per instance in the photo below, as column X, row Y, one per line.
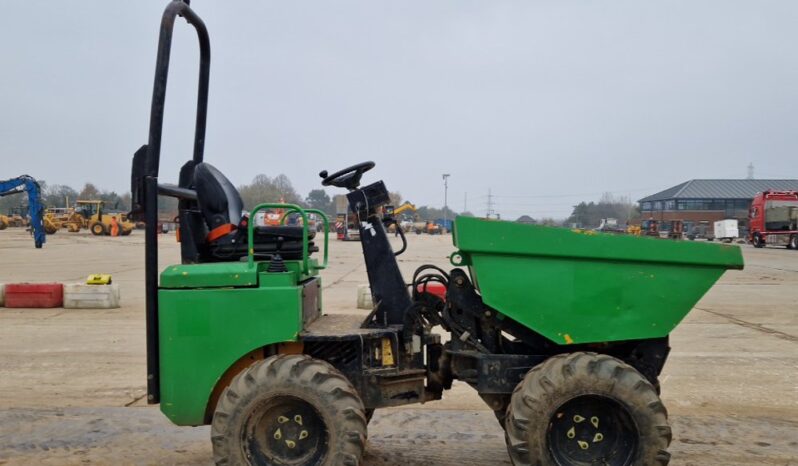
column 773, row 219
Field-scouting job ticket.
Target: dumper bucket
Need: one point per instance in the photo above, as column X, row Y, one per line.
column 575, row 286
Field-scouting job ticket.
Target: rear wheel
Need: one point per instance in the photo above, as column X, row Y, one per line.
column 758, row 241
column 583, row 409
column 289, row 410
column 98, row 229
column 793, row 244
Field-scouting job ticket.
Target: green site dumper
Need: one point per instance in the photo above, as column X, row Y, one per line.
column 562, row 333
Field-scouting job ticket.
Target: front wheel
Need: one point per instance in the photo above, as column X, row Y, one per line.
column 98, row 229
column 289, row 410
column 586, row 408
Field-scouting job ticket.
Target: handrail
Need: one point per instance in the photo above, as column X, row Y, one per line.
column 326, row 232
column 251, row 232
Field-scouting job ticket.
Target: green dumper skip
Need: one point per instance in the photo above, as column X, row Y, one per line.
column 583, row 287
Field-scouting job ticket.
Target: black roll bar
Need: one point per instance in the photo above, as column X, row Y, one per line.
column 151, row 167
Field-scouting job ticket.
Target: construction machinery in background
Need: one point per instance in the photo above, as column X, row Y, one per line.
column 99, row 222
column 345, row 221
column 345, row 228
column 28, row 184
column 408, row 223
column 609, row 225
column 564, row 335
column 773, row 219
column 634, row 230
column 404, row 216
column 427, row 226
column 18, row 217
column 675, row 229
column 406, row 207
column 65, row 217
column 650, row 227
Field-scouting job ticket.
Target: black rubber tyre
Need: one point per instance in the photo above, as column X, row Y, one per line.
column 584, row 409
column 289, row 410
column 757, row 241
column 793, row 243
column 499, row 404
column 98, row 229
column 501, row 416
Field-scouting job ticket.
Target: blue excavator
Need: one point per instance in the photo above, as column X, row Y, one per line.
column 26, row 183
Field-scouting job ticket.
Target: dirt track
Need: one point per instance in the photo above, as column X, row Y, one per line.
column 72, row 381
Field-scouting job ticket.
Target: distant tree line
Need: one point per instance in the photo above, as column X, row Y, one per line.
column 59, row 195
column 262, row 189
column 589, row 214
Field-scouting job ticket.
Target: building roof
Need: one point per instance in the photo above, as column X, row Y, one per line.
column 721, row 189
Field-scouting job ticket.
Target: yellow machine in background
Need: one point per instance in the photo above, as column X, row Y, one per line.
column 634, row 230
column 404, row 222
column 51, row 223
column 3, row 222
column 15, row 218
column 66, row 218
column 403, row 208
column 99, row 222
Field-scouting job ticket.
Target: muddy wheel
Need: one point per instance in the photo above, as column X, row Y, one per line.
column 498, row 403
column 289, row 410
column 758, row 241
column 98, row 229
column 586, row 408
column 501, row 416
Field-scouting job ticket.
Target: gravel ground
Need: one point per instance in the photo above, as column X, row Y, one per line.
column 72, row 381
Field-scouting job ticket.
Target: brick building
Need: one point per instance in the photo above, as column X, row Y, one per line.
column 695, row 201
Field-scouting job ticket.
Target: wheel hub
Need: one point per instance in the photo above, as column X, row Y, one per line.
column 288, row 431
column 592, row 430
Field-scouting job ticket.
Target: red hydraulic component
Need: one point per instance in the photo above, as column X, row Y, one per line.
column 433, row 288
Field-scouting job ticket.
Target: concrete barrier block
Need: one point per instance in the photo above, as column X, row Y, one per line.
column 33, row 295
column 82, row 296
column 364, row 300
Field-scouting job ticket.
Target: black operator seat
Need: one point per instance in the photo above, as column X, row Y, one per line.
column 222, row 209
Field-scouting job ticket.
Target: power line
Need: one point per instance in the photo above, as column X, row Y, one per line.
column 551, row 196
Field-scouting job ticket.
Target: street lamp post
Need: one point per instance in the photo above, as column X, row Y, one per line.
column 445, row 198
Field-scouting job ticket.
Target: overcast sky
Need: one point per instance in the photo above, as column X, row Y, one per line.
column 545, row 103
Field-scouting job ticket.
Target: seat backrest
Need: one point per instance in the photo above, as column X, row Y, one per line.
column 218, row 199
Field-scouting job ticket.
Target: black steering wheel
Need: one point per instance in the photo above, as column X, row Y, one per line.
column 348, row 178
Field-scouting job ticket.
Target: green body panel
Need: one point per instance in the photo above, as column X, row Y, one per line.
column 586, row 287
column 206, row 325
column 212, row 275
column 223, row 274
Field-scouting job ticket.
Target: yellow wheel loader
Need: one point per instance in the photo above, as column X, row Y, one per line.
column 100, row 222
